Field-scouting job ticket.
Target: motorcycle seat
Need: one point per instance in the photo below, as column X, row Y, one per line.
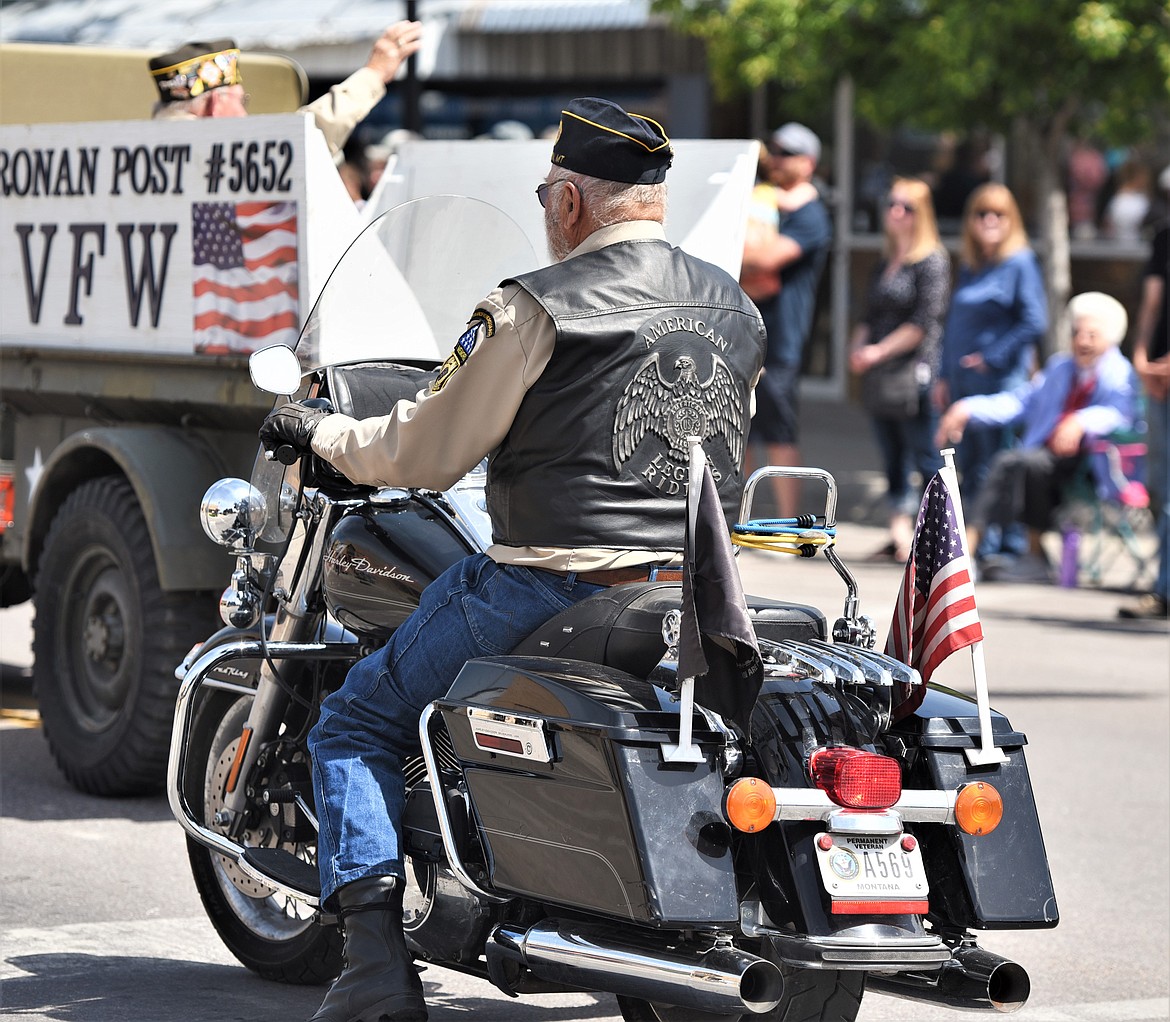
column 364, row 389
column 621, row 627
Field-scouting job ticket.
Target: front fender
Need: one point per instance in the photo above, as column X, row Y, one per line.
column 169, row 469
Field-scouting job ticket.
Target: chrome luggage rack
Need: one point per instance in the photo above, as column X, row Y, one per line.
column 804, row 536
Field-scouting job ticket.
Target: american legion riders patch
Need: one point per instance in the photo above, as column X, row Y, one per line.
column 681, row 389
column 480, row 325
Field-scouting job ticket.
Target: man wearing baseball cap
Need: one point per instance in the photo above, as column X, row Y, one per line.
column 789, row 253
column 573, row 380
column 203, row 79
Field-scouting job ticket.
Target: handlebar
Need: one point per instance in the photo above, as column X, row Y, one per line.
column 285, row 454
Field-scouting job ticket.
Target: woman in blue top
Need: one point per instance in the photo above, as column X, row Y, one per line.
column 998, row 314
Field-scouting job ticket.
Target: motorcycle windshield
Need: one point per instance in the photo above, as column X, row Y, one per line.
column 407, row 285
column 403, row 290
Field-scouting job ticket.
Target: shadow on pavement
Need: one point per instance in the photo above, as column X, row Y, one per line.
column 98, row 988
column 94, row 988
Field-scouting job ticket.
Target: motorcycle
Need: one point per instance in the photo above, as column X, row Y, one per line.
column 577, row 820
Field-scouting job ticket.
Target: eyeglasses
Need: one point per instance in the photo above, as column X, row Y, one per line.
column 994, row 214
column 542, row 191
column 775, row 150
column 905, row 207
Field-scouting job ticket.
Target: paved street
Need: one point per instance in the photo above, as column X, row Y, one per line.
column 100, row 922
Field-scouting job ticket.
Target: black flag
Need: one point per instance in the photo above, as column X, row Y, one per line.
column 717, row 644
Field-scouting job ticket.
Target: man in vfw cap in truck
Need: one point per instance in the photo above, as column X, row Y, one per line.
column 573, row 380
column 202, row 79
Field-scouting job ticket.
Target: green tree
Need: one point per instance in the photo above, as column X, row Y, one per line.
column 1045, row 68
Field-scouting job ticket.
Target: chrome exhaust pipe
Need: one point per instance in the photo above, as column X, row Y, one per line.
column 721, row 979
column 972, row 979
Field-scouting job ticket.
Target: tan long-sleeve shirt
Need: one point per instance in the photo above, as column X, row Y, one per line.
column 338, row 111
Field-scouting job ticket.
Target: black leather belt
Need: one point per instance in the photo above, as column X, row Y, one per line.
column 619, row 576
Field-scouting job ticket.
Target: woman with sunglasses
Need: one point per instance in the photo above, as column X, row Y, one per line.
column 998, row 315
column 894, row 348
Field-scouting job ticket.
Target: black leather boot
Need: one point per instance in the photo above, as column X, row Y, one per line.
column 379, row 982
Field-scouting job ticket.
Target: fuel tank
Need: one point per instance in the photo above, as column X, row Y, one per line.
column 379, row 560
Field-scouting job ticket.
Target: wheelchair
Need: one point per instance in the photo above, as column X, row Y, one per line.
column 1106, row 525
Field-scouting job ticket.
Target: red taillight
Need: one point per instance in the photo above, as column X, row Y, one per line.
column 856, row 779
column 7, row 500
column 914, row 907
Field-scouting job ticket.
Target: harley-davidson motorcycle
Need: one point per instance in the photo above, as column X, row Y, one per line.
column 578, row 819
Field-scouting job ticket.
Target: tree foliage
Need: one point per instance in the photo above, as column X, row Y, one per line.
column 1049, row 67
column 1060, row 65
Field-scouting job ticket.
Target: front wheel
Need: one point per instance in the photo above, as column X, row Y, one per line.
column 272, row 934
column 810, row 995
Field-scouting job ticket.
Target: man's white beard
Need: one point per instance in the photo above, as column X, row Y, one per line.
column 558, row 244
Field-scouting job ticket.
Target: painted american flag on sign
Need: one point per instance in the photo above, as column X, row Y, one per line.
column 244, row 275
column 935, row 612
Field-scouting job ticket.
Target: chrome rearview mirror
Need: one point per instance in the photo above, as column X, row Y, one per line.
column 275, row 369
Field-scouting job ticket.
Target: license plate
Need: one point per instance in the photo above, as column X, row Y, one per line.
column 872, row 874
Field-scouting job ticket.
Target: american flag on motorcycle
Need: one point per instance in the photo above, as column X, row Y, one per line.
column 935, row 612
column 244, row 275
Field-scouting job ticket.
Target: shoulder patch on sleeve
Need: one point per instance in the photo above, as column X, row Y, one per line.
column 480, row 325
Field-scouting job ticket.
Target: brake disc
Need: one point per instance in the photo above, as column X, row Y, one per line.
column 255, row 837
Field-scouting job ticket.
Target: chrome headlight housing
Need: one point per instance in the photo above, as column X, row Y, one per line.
column 233, row 514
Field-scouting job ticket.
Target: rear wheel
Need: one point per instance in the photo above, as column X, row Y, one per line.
column 106, row 639
column 272, row 934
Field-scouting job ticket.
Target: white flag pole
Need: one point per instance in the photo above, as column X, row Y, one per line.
column 686, row 751
column 987, row 752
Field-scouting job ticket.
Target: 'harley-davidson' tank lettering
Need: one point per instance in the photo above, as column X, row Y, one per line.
column 342, row 561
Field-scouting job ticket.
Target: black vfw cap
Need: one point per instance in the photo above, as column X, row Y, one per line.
column 598, row 138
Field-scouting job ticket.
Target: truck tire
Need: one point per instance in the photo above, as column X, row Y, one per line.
column 106, row 640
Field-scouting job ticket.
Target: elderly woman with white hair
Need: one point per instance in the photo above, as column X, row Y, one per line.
column 1090, row 390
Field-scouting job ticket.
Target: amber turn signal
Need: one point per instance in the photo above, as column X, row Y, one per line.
column 979, row 808
column 750, row 804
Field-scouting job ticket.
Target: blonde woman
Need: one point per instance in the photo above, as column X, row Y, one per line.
column 895, row 347
column 998, row 315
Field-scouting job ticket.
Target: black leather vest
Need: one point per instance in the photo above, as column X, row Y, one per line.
column 652, row 346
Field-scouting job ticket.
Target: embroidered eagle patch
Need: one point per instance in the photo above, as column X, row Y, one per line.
column 480, row 325
column 676, row 404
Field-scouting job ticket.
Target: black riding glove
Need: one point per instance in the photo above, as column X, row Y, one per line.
column 293, row 424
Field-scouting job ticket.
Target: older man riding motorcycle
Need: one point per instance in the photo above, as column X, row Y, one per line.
column 580, row 382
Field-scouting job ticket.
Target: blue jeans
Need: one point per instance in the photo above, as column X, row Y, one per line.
column 907, row 445
column 369, row 726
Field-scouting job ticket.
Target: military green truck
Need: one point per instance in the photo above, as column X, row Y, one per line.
column 140, row 262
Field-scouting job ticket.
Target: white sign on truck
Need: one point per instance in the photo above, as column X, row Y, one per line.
column 167, row 237
column 710, row 184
